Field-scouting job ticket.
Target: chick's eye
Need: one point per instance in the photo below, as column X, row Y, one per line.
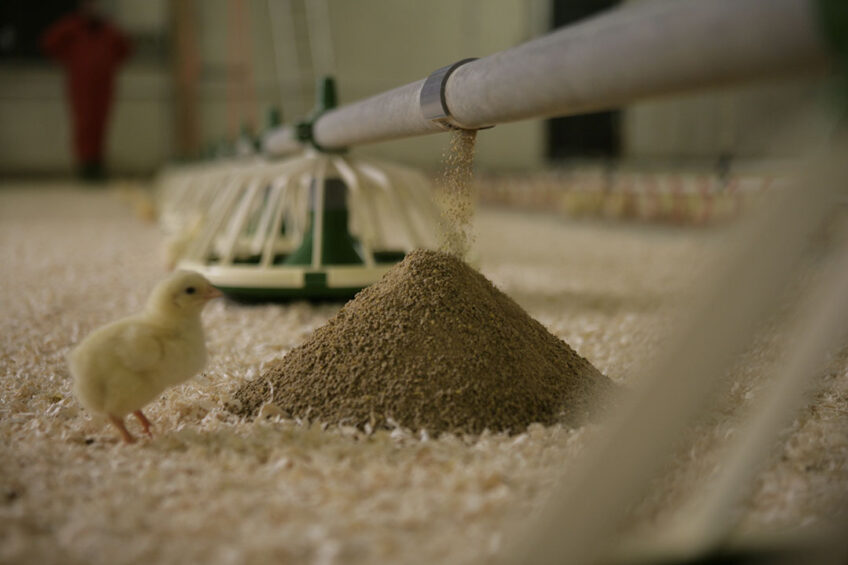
column 190, row 290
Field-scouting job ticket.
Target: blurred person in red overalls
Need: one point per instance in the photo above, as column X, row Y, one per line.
column 91, row 49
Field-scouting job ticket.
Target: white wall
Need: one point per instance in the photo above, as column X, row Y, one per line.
column 779, row 118
column 35, row 130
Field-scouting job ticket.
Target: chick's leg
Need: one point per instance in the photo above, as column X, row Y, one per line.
column 119, row 423
column 145, row 423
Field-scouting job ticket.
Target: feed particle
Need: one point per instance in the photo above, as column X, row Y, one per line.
column 457, row 194
column 433, row 345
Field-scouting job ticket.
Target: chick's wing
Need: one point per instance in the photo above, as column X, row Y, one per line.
column 138, row 347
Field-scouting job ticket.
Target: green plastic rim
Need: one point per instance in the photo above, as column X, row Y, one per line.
column 307, row 292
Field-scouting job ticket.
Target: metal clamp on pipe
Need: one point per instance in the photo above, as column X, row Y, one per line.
column 434, row 104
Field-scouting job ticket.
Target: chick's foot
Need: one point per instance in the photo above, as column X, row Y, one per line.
column 145, row 423
column 125, row 433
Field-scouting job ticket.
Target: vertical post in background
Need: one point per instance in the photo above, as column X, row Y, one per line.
column 244, row 66
column 233, row 101
column 185, row 71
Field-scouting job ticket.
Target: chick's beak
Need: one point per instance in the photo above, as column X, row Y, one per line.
column 211, row 293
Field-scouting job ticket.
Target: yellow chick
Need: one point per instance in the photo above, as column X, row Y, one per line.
column 123, row 366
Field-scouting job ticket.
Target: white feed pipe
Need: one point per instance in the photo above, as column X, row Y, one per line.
column 621, row 56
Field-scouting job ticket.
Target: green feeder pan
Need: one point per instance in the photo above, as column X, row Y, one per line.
column 269, row 235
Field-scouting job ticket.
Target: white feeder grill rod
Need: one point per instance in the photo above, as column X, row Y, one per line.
column 428, row 214
column 217, row 215
column 275, row 179
column 399, row 210
column 274, row 191
column 627, row 54
column 372, row 184
column 239, row 220
column 369, row 229
column 269, row 252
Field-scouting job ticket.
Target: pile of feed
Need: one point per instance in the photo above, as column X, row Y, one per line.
column 435, row 346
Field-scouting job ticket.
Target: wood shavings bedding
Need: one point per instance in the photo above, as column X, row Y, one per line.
column 213, row 488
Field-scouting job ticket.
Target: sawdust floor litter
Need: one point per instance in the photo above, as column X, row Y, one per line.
column 215, row 488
